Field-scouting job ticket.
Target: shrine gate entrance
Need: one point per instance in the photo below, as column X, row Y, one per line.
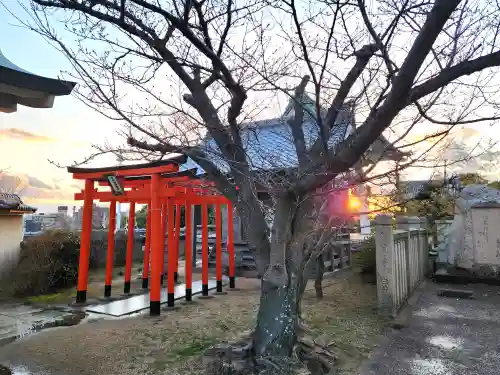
column 165, row 190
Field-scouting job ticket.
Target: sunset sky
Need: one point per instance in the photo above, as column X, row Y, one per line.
column 30, row 138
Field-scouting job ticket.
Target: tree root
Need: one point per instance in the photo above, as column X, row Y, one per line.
column 308, row 358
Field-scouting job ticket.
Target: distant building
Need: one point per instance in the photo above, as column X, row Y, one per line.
column 63, row 210
column 45, row 221
column 100, row 217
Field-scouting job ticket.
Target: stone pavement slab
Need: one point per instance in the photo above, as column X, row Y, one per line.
column 138, row 303
column 445, row 336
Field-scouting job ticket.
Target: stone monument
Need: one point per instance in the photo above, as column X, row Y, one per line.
column 473, row 239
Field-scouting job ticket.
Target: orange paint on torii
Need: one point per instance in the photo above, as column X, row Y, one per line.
column 161, row 186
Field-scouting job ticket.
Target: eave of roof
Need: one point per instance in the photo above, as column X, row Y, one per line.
column 36, row 83
column 12, row 75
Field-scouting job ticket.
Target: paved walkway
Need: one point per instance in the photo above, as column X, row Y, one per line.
column 446, row 336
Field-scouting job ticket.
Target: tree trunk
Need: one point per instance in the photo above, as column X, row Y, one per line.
column 318, row 281
column 277, row 320
column 277, row 343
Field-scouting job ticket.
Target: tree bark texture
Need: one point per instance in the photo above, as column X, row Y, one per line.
column 277, row 320
column 283, row 283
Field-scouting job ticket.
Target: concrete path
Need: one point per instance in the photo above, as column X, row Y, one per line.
column 445, row 336
column 18, row 320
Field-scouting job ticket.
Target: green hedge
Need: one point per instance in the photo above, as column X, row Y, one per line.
column 365, row 258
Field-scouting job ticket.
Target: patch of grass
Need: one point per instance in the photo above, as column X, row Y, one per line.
column 346, row 320
column 63, row 296
column 161, row 364
column 197, row 347
column 223, row 326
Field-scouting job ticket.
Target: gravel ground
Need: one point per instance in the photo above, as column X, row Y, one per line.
column 174, row 341
column 445, row 336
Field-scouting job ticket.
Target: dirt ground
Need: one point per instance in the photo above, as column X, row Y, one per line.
column 174, row 342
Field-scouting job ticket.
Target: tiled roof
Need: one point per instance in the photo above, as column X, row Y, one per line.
column 410, row 189
column 269, row 143
column 14, row 202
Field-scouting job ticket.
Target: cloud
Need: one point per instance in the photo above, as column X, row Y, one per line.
column 468, row 132
column 23, row 135
column 33, row 189
column 35, row 182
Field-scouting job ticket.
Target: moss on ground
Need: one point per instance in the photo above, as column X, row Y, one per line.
column 49, row 299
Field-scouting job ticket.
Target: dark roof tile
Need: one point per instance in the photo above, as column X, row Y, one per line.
column 269, row 143
column 14, row 202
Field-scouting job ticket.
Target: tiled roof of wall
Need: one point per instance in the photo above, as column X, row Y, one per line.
column 14, row 202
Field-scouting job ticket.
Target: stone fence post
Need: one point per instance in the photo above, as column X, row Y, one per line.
column 401, row 222
column 384, row 253
column 425, row 247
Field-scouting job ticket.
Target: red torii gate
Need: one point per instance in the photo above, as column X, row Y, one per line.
column 161, row 186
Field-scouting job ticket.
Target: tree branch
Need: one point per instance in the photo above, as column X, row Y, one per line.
column 197, row 155
column 348, row 152
column 296, row 124
column 362, row 58
column 448, row 75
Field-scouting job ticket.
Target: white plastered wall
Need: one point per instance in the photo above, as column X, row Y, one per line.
column 11, row 235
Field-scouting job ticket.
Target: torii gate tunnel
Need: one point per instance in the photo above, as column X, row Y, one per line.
column 165, row 190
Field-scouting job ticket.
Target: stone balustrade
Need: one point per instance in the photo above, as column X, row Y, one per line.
column 401, row 257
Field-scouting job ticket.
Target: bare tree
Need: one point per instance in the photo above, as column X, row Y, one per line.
column 400, row 65
column 10, row 184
